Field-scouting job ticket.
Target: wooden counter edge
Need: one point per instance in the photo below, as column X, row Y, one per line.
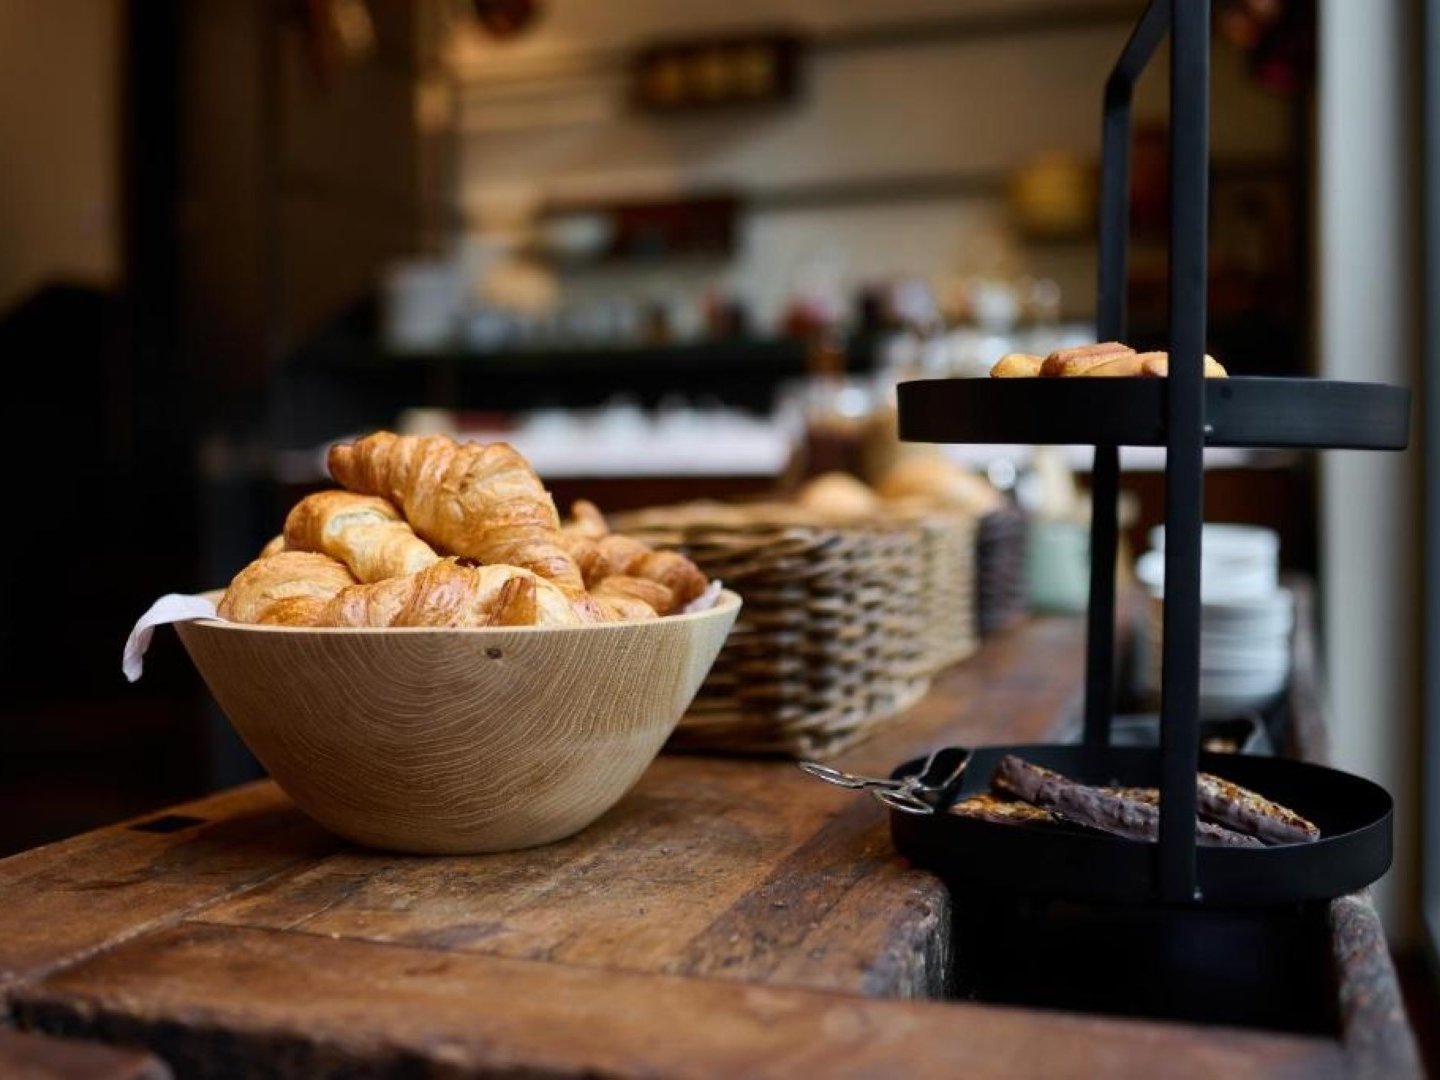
column 25, row 1055
column 1375, row 1030
column 194, row 993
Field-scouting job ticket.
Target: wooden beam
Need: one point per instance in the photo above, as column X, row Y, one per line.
column 24, row 1056
column 297, row 1004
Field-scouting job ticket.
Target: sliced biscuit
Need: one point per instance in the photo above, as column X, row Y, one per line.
column 1119, row 368
column 1076, row 361
column 1158, row 364
column 1017, row 365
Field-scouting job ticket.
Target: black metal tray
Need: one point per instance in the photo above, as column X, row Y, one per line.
column 1242, row 411
column 1354, row 816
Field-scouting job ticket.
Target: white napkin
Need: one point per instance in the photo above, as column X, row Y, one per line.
column 171, row 608
column 706, row 600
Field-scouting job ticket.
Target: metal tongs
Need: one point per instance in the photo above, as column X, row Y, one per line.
column 916, row 793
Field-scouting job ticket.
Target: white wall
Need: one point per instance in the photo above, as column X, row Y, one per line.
column 986, row 103
column 59, row 143
column 1369, row 582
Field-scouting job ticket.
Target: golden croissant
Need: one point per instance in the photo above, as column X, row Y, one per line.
column 600, row 607
column 471, row 499
column 364, row 532
column 586, row 520
column 454, row 593
column 290, row 588
column 618, row 555
column 655, row 595
column 601, row 554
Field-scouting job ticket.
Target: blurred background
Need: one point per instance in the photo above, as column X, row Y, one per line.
column 668, row 250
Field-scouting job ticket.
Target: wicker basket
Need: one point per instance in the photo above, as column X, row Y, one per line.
column 831, row 641
column 1001, row 595
column 948, row 593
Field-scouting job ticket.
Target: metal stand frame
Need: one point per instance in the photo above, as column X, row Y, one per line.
column 1183, row 413
column 1188, row 23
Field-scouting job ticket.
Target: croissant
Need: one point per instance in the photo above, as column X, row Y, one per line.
column 600, row 608
column 585, row 552
column 452, row 593
column 601, row 555
column 273, row 546
column 587, row 520
column 294, row 611
column 476, row 500
column 287, row 589
column 617, row 555
column 625, row 609
column 366, row 533
column 653, row 594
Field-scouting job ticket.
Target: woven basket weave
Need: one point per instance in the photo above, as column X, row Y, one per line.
column 831, row 641
column 1001, row 544
column 948, row 593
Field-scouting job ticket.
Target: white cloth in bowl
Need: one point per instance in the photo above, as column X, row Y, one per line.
column 170, row 608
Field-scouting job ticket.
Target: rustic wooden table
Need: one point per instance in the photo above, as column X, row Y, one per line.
column 728, row 918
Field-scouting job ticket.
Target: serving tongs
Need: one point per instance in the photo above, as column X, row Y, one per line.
column 920, row 792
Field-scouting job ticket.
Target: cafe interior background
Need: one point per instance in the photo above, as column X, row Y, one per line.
column 670, row 250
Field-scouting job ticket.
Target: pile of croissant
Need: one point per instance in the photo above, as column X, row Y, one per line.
column 427, row 531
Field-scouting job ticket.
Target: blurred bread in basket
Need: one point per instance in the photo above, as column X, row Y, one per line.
column 915, row 480
column 930, row 477
column 840, row 497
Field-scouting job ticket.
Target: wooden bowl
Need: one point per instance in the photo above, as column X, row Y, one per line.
column 458, row 741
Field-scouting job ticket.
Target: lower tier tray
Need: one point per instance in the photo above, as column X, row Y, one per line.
column 1354, row 849
column 1241, row 412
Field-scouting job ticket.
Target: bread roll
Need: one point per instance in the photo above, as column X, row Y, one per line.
column 839, row 496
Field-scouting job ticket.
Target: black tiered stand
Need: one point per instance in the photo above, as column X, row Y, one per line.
column 1184, row 413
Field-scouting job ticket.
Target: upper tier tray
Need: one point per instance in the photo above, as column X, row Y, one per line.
column 1258, row 412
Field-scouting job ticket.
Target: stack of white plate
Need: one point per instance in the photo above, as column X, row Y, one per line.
column 1246, row 618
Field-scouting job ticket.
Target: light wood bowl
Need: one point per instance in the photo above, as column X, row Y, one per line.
column 458, row 741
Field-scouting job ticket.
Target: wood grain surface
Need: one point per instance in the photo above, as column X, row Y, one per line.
column 65, row 900
column 727, row 917
column 1378, row 1038
column 458, row 741
column 24, row 1056
column 327, row 1008
column 712, row 867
